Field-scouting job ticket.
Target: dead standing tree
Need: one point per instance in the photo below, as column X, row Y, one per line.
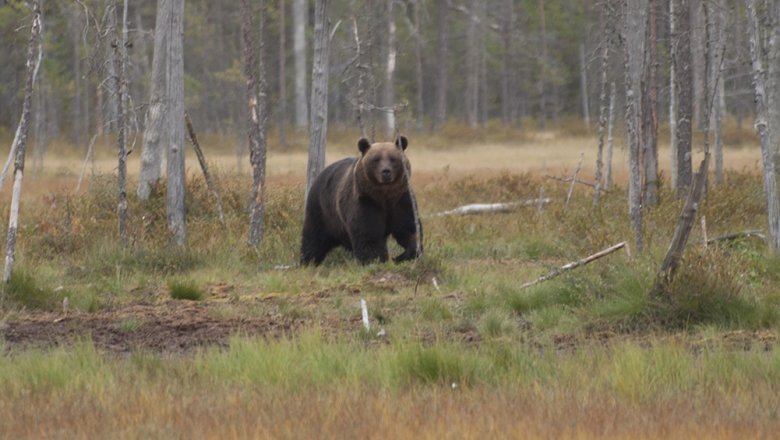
column 319, row 93
column 152, row 152
column 632, row 41
column 257, row 116
column 120, row 68
column 605, row 46
column 684, row 91
column 177, row 225
column 34, row 56
column 649, row 107
column 762, row 128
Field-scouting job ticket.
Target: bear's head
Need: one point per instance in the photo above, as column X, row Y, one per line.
column 382, row 164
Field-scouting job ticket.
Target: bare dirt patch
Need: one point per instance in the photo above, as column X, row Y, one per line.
column 171, row 327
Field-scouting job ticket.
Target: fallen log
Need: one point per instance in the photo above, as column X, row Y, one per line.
column 574, row 265
column 492, row 208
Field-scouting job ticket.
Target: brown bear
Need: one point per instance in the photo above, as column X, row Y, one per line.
column 358, row 202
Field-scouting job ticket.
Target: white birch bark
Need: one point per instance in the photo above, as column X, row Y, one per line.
column 762, row 128
column 34, row 56
column 319, row 93
column 389, row 89
column 152, row 150
column 299, row 51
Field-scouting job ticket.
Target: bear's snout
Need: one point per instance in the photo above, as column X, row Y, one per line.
column 387, row 175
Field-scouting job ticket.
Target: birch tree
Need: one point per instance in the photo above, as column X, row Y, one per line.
column 684, row 90
column 175, row 195
column 299, row 51
column 120, row 63
column 442, row 64
column 389, row 86
column 152, row 151
column 257, row 115
column 603, row 104
column 34, row 56
column 319, row 93
column 649, row 107
column 633, row 50
column 282, row 74
column 762, row 126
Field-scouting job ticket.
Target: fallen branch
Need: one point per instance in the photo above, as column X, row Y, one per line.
column 84, row 165
column 736, row 235
column 574, row 265
column 492, row 208
column 573, row 182
column 568, row 179
column 204, row 167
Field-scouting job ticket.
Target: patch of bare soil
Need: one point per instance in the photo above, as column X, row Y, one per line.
column 171, row 327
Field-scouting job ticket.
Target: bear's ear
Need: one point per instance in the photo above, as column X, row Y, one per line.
column 401, row 142
column 363, row 145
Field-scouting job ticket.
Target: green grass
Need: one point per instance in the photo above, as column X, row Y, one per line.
column 185, row 289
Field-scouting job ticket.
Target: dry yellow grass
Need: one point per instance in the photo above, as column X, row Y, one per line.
column 167, row 411
column 541, row 153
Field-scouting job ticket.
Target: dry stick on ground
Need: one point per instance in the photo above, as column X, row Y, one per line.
column 203, row 166
column 610, row 125
column 575, row 264
column 90, row 150
column 573, row 181
column 733, row 236
column 34, row 55
column 569, row 179
column 540, row 200
column 491, row 208
column 704, row 231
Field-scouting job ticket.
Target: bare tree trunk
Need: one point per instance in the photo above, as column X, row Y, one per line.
column 650, row 107
column 762, row 116
column 610, row 124
column 319, row 93
column 684, row 80
column 389, row 86
column 507, row 67
column 584, row 86
column 34, row 55
column 120, row 63
column 152, row 151
column 602, row 103
column 299, row 49
column 442, row 65
column 482, row 103
column 257, row 100
column 471, row 97
column 542, row 67
column 682, row 230
column 77, row 117
column 177, row 223
column 716, row 61
column 418, row 65
column 361, row 80
column 673, row 93
column 633, row 22
column 282, row 75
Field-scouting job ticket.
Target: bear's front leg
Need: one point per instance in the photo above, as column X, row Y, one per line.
column 367, row 234
column 368, row 249
column 405, row 232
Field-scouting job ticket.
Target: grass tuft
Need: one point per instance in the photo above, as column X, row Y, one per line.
column 185, row 289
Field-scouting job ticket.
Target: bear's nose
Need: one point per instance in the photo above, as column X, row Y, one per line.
column 386, row 174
